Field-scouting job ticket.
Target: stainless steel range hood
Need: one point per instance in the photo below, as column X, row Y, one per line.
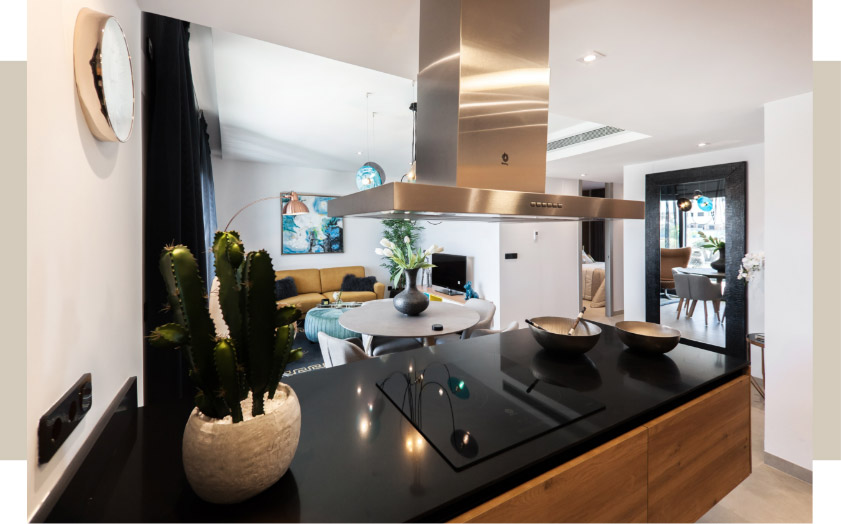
column 483, row 109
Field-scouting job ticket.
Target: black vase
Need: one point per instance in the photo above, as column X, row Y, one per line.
column 718, row 264
column 411, row 301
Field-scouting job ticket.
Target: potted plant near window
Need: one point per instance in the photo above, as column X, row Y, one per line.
column 715, row 244
column 244, row 430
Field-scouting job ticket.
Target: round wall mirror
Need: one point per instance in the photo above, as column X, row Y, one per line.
column 104, row 79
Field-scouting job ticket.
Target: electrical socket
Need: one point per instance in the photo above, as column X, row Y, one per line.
column 63, row 417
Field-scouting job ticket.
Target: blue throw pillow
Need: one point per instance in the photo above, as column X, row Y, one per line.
column 354, row 283
column 285, row 288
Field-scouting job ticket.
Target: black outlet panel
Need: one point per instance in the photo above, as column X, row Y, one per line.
column 510, row 256
column 57, row 424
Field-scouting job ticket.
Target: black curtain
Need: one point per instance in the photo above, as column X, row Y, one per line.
column 179, row 202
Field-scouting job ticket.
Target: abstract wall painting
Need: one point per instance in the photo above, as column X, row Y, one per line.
column 313, row 232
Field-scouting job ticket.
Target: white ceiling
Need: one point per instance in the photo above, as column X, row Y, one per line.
column 682, row 72
column 284, row 106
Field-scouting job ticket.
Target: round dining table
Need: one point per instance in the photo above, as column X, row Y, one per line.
column 705, row 271
column 379, row 318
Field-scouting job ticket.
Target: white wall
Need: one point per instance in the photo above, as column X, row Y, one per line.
column 788, row 279
column 543, row 280
column 237, row 183
column 84, row 239
column 479, row 242
column 634, row 230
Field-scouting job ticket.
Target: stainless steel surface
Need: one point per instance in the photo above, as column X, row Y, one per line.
column 552, row 335
column 482, row 118
column 404, row 200
column 647, row 337
column 483, row 94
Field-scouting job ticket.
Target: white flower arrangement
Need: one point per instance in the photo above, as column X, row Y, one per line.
column 752, row 265
column 405, row 258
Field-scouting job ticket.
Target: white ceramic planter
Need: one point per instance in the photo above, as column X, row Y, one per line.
column 227, row 463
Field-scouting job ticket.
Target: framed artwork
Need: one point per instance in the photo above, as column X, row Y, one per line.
column 313, row 232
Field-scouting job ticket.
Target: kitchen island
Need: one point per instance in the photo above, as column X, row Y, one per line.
column 670, row 437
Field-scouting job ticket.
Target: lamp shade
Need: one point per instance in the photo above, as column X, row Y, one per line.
column 295, row 206
column 369, row 175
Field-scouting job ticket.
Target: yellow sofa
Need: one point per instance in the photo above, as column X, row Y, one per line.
column 314, row 285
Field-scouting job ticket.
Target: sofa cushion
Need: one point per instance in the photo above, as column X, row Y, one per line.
column 354, row 283
column 354, row 296
column 331, row 277
column 304, row 302
column 285, row 288
column 306, row 280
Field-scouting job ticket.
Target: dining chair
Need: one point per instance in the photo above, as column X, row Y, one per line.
column 486, row 310
column 703, row 289
column 336, row 351
column 681, row 290
column 669, row 259
column 514, row 325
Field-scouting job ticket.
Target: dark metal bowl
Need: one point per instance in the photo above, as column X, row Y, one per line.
column 647, row 337
column 552, row 334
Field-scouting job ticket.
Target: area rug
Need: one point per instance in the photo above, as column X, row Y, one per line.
column 310, row 361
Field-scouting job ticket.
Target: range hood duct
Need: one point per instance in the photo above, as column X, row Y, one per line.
column 482, row 121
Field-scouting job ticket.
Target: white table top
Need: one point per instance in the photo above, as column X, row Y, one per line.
column 379, row 318
column 705, row 271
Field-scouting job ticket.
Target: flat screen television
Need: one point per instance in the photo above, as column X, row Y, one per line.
column 450, row 271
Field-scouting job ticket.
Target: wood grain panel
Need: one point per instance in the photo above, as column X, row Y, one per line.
column 606, row 484
column 698, row 453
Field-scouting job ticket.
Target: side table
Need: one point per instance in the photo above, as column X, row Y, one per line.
column 758, row 340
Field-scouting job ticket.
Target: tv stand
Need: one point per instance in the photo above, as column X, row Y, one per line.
column 457, row 298
column 450, row 292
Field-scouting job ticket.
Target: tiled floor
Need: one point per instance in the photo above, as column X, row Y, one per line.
column 768, row 494
column 694, row 328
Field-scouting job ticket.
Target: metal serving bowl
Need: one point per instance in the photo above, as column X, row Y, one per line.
column 647, row 337
column 551, row 333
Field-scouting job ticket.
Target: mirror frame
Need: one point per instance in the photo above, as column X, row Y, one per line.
column 87, row 69
column 735, row 233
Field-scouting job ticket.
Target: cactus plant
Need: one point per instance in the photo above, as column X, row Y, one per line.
column 259, row 348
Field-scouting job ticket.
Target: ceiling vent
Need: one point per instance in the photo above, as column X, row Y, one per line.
column 582, row 137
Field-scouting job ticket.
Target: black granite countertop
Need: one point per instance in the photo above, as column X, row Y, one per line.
column 359, row 458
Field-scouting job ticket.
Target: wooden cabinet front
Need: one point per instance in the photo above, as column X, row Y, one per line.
column 672, row 469
column 698, row 453
column 607, row 484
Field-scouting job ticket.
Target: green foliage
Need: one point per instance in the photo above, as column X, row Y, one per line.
column 261, row 335
column 395, row 230
column 711, row 242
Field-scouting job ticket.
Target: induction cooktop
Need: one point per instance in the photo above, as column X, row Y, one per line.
column 470, row 411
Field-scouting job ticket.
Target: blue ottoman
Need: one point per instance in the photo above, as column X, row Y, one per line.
column 325, row 320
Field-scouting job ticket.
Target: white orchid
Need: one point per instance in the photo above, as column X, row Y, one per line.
column 752, row 265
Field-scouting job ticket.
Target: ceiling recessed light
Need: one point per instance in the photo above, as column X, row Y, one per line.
column 590, row 57
column 583, row 174
column 359, row 152
column 703, row 144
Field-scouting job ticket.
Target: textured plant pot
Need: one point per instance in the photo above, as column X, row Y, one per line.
column 718, row 264
column 227, row 463
column 411, row 301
